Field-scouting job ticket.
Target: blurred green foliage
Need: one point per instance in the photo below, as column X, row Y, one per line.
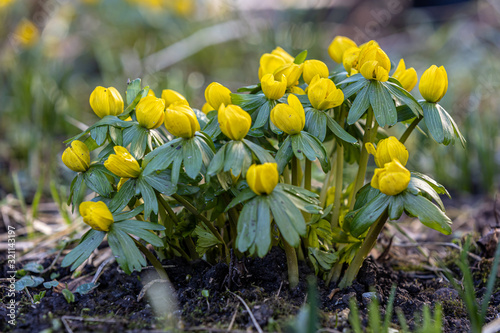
column 47, row 73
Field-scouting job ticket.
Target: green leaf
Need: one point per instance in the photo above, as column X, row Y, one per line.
column 75, row 189
column 404, row 97
column 90, row 241
column 323, row 258
column 288, row 218
column 300, row 57
column 86, row 288
column 262, row 155
column 396, row 207
column 365, row 195
column 130, row 214
column 95, row 178
column 149, row 197
column 404, row 113
column 254, row 227
column 33, row 267
column 51, row 284
column 161, row 182
column 123, row 197
column 160, row 158
column 99, row 134
column 105, row 121
column 141, row 230
column 428, row 213
column 128, row 255
column 116, row 135
column 212, row 127
column 217, row 162
column 192, row 158
column 249, row 102
column 354, row 87
column 206, row 240
column 202, row 118
column 435, row 185
column 442, row 127
column 261, row 115
column 304, row 202
column 243, row 196
column 423, row 187
column 251, row 89
column 311, row 144
column 68, row 296
column 359, row 106
column 383, row 106
column 339, row 132
column 284, row 154
column 133, row 88
column 353, row 78
column 369, row 214
column 238, row 158
column 137, row 137
column 316, row 123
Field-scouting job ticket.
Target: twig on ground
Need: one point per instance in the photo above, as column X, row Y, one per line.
column 100, row 269
column 255, row 323
column 147, row 286
column 232, row 320
column 455, row 246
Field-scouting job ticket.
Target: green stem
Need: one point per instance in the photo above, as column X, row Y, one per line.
column 209, row 224
column 410, row 129
column 292, row 264
column 339, row 176
column 152, row 259
column 308, row 171
column 286, row 175
column 168, row 209
column 328, row 179
column 364, row 250
column 363, row 159
column 335, row 272
column 192, row 248
column 295, row 171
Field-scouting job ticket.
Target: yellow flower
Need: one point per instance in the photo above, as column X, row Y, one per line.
column 291, row 71
column 122, row 163
column 278, row 51
column 323, row 94
column 350, row 60
column 216, row 94
column 206, row 108
column 120, row 183
column 338, row 46
column 151, row 93
column 296, row 90
column 407, row 77
column 290, row 118
column 77, row 157
column 181, row 121
column 96, row 214
column 392, row 179
column 234, row 122
column 263, row 178
column 272, row 88
column 172, row 97
column 106, row 101
column 150, row 112
column 388, row 150
column 373, row 63
column 26, row 33
column 313, row 68
column 433, row 84
column 269, row 63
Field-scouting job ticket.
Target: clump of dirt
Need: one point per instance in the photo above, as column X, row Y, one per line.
column 204, row 300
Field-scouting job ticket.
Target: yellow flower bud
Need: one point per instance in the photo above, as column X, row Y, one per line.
column 106, row 101
column 338, row 46
column 433, row 84
column 181, row 121
column 291, row 71
column 407, row 77
column 278, row 51
column 350, row 60
column 296, row 90
column 151, row 93
column 97, row 215
column 26, row 33
column 290, row 118
column 206, row 108
column 269, row 63
column 272, row 88
column 313, row 68
column 234, row 122
column 353, row 72
column 120, row 183
column 323, row 94
column 77, row 157
column 150, row 112
column 216, row 94
column 122, row 163
column 172, row 97
column 373, row 63
column 392, row 179
column 388, row 150
column 263, row 178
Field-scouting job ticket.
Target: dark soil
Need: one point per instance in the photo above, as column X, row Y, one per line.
column 114, row 306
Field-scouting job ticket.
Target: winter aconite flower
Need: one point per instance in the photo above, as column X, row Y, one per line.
column 292, row 73
column 313, row 68
column 373, row 63
column 172, row 97
column 234, row 122
column 96, row 214
column 106, row 101
column 181, row 121
column 206, row 108
column 216, row 94
column 150, row 112
column 407, row 77
column 26, row 33
column 77, row 157
column 350, row 59
column 388, row 150
column 270, row 62
column 433, row 84
column 273, row 87
column 122, row 163
column 392, row 179
column 338, row 46
column 290, row 118
column 263, row 178
column 323, row 94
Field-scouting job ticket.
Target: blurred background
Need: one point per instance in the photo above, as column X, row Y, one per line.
column 53, row 53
